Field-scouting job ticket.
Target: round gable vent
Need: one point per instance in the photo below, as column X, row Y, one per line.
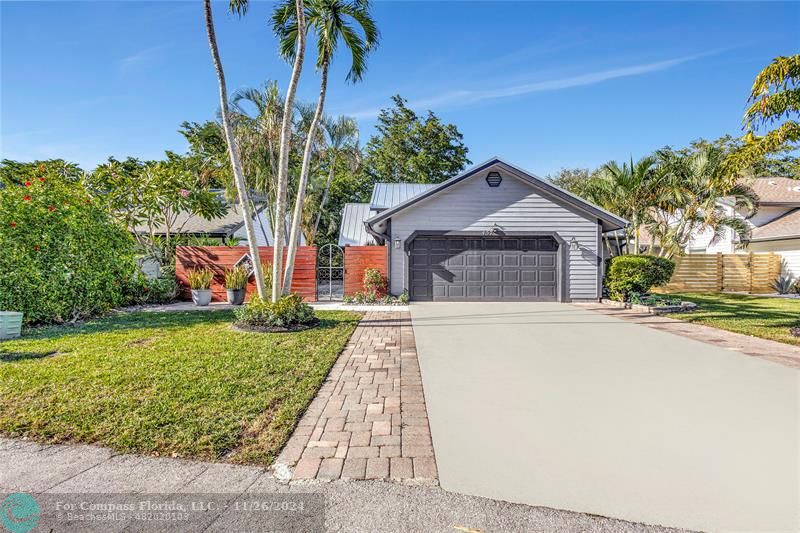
column 494, row 179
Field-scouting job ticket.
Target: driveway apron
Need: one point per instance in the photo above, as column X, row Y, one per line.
column 550, row 404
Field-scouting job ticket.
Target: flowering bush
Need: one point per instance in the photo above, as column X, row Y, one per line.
column 61, row 255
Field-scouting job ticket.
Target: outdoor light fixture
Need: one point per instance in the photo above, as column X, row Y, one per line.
column 397, row 244
column 573, row 244
column 493, row 179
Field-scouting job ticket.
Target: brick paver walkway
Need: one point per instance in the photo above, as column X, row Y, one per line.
column 368, row 420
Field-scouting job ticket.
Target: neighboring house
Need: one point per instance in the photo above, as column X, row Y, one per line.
column 774, row 228
column 492, row 233
column 226, row 228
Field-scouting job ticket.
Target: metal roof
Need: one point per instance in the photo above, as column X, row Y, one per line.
column 351, row 229
column 386, row 195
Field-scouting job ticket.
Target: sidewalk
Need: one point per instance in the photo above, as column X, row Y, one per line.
column 368, row 506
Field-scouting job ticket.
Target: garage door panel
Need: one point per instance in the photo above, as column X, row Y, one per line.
column 547, row 260
column 486, row 268
column 492, row 260
column 475, row 276
column 547, row 276
column 491, row 275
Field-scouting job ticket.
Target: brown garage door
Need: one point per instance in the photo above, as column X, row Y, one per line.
column 483, row 268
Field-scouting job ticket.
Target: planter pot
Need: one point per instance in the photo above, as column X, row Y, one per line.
column 236, row 296
column 201, row 297
column 10, row 324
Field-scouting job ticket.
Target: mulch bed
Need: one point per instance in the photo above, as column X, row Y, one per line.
column 276, row 329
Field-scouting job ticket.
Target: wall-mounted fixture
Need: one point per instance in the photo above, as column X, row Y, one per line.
column 397, row 244
column 494, row 179
column 573, row 244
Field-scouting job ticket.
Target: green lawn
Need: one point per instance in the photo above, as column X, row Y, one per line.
column 171, row 384
column 768, row 318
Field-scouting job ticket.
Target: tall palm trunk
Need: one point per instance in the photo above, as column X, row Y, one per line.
column 238, row 173
column 294, row 237
column 324, row 195
column 283, row 159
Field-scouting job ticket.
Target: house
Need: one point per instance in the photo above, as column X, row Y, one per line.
column 228, row 228
column 774, row 228
column 493, row 233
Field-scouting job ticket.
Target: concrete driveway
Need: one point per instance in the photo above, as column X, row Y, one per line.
column 555, row 405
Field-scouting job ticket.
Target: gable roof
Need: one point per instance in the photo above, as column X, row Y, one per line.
column 776, row 190
column 352, row 231
column 786, row 226
column 386, row 195
column 609, row 220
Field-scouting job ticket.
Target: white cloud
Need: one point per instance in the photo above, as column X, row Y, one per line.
column 471, row 96
column 140, row 58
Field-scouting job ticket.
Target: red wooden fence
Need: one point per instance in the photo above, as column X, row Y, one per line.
column 217, row 258
column 359, row 258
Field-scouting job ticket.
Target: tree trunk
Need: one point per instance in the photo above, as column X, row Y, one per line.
column 236, row 163
column 325, row 195
column 283, row 159
column 294, row 236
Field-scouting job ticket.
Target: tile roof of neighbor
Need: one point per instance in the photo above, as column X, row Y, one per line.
column 776, row 190
column 386, row 195
column 786, row 225
column 352, row 231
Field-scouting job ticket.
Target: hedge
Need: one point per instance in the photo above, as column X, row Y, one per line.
column 627, row 274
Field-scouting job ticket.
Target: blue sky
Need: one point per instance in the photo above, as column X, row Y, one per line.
column 544, row 85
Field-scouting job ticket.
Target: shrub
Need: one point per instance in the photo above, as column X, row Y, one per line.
column 236, row 278
column 161, row 290
column 153, row 291
column 783, row 285
column 199, row 278
column 375, row 282
column 62, row 257
column 629, row 274
column 287, row 312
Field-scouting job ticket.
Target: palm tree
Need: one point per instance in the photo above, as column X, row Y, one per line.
column 689, row 195
column 342, row 142
column 258, row 136
column 238, row 173
column 627, row 190
column 332, row 20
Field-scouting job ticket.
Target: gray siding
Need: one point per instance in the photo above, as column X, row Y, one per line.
column 514, row 206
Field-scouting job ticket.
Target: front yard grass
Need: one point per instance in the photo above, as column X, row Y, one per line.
column 180, row 384
column 768, row 318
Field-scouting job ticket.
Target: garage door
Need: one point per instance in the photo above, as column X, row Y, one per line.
column 483, row 268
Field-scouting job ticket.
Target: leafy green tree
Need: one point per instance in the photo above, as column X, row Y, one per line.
column 333, row 21
column 410, row 148
column 574, row 180
column 148, row 196
column 774, row 103
column 63, row 256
